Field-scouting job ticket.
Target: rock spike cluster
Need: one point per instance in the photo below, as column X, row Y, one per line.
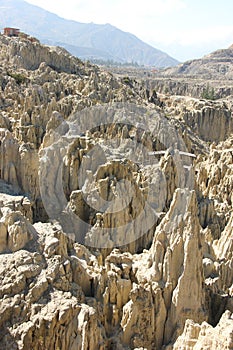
column 169, row 289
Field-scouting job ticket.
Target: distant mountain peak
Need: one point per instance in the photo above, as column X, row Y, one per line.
column 85, row 40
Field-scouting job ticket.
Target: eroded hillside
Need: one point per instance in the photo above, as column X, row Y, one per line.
column 116, row 210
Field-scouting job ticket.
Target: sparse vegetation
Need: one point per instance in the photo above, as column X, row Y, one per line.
column 112, row 63
column 126, row 80
column 19, row 78
column 208, row 93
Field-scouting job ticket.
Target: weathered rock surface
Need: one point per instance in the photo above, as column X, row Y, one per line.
column 217, row 64
column 208, row 77
column 204, row 336
column 193, row 86
column 164, row 282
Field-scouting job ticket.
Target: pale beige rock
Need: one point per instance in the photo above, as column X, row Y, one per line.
column 174, row 271
column 204, row 336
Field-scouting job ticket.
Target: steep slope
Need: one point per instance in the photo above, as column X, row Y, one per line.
column 155, row 270
column 216, row 65
column 102, row 41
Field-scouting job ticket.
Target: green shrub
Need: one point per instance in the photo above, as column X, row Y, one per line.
column 19, row 78
column 208, row 93
column 126, row 80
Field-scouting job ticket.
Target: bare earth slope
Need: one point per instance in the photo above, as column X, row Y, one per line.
column 209, row 77
column 217, row 64
column 116, row 210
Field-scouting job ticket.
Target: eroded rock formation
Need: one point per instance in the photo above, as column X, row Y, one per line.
column 149, row 263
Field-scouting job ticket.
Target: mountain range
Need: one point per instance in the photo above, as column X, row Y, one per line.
column 85, row 40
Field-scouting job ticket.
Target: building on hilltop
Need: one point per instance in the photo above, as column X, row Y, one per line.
column 15, row 32
column 11, row 31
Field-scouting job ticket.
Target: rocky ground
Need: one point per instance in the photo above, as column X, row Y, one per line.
column 150, row 264
column 209, row 77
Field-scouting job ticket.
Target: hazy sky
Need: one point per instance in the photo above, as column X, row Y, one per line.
column 185, row 29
